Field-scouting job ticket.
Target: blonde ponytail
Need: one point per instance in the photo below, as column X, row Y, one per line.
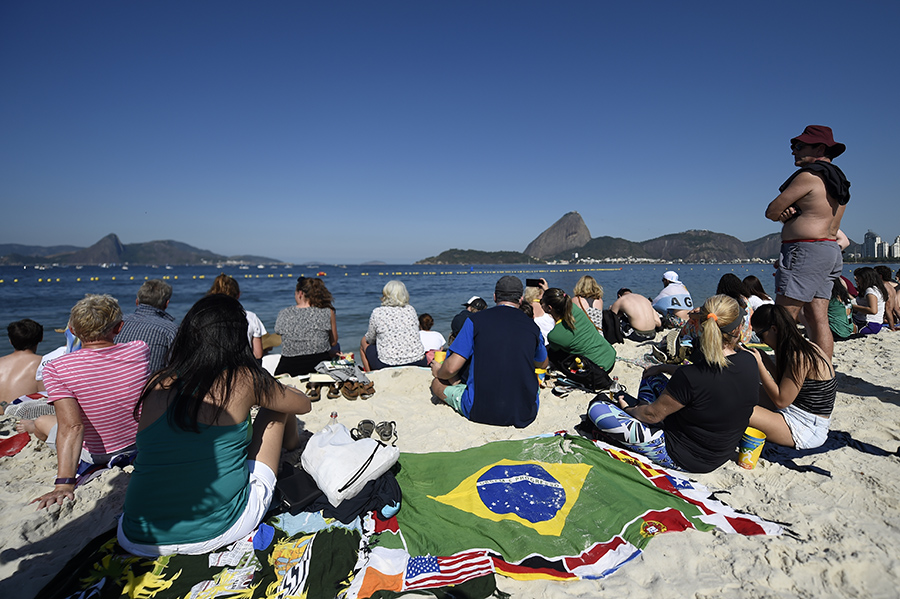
column 718, row 327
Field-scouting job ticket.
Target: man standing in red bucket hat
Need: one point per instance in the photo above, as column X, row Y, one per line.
column 811, row 204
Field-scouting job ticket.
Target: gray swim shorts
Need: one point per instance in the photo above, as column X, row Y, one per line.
column 808, row 269
column 639, row 336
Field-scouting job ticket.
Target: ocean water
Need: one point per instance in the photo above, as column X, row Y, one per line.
column 47, row 295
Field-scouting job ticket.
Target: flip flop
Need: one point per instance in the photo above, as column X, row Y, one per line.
column 350, row 390
column 561, row 390
column 334, row 391
column 314, row 391
column 366, row 390
column 363, row 430
column 387, row 431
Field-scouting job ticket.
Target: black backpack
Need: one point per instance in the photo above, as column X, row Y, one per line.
column 612, row 331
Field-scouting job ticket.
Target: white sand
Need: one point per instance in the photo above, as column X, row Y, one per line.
column 847, row 526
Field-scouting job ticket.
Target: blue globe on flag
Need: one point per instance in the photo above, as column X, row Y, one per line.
column 526, row 490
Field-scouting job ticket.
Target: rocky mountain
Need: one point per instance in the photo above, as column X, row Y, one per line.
column 168, row 252
column 456, row 256
column 765, row 247
column 110, row 250
column 599, row 248
column 568, row 233
column 696, row 246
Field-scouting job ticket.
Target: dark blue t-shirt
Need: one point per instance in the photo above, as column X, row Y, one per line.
column 502, row 344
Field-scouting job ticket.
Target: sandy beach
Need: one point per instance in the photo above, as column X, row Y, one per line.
column 843, row 527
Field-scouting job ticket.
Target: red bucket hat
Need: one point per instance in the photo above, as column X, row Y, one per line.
column 820, row 134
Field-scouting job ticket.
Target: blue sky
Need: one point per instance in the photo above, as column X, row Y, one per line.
column 357, row 131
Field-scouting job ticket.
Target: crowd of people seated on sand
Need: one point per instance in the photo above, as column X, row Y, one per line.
column 175, row 399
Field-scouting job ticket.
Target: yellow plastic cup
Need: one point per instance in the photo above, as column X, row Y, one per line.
column 752, row 443
column 541, row 375
column 440, row 356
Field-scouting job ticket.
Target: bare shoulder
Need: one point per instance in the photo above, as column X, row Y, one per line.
column 822, row 370
column 806, row 182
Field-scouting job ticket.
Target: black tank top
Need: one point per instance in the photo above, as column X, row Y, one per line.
column 817, row 397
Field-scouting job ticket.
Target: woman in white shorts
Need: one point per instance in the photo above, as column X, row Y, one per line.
column 800, row 385
column 203, row 477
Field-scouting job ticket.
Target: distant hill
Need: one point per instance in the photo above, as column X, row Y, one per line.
column 110, row 250
column 696, row 246
column 566, row 234
column 765, row 247
column 569, row 236
column 456, row 256
column 599, row 248
column 35, row 250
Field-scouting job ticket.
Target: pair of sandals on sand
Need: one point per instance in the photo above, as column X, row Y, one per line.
column 349, row 389
column 386, row 431
column 565, row 386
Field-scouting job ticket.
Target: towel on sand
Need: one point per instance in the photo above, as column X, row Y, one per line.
column 557, row 507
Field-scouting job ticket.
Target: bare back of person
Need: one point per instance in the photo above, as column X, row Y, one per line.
column 639, row 311
column 17, row 372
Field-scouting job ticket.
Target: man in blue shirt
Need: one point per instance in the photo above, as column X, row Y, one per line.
column 150, row 322
column 500, row 347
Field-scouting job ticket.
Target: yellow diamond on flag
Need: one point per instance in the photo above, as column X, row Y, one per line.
column 538, row 495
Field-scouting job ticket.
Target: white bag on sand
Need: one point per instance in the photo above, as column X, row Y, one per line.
column 341, row 466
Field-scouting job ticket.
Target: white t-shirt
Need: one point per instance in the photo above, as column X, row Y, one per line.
column 673, row 296
column 255, row 327
column 756, row 301
column 432, row 340
column 546, row 324
column 59, row 351
column 863, row 300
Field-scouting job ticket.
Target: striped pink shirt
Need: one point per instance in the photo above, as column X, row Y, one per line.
column 106, row 383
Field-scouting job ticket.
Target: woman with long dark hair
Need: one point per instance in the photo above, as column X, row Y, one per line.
column 800, row 385
column 758, row 295
column 696, row 418
column 840, row 309
column 204, row 477
column 308, row 329
column 868, row 311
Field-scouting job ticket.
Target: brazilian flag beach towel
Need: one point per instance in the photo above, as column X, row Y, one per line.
column 557, row 507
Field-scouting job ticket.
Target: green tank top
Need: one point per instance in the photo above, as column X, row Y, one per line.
column 186, row 487
column 838, row 319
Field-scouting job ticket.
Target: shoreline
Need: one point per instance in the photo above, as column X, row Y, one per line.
column 842, row 539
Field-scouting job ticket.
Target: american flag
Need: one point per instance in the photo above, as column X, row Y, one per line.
column 424, row 572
